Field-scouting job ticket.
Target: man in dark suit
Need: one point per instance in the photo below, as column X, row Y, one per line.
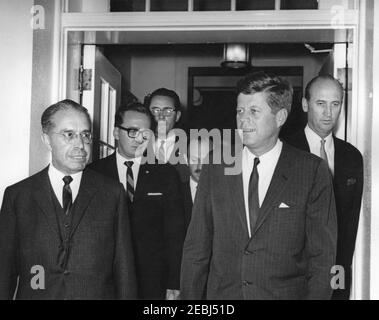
column 323, row 102
column 268, row 232
column 155, row 202
column 197, row 155
column 64, row 232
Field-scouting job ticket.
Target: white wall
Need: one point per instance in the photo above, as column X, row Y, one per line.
column 44, row 80
column 155, row 68
column 16, row 39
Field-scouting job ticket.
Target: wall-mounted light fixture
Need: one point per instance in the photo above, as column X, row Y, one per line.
column 236, row 55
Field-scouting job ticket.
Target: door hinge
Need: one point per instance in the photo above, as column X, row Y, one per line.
column 85, row 79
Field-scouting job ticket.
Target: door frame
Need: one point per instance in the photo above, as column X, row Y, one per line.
column 240, row 21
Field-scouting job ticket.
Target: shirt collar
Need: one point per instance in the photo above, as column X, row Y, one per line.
column 170, row 138
column 314, row 139
column 122, row 159
column 56, row 175
column 267, row 157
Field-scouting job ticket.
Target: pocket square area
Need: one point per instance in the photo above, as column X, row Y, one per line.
column 283, row 205
column 154, row 193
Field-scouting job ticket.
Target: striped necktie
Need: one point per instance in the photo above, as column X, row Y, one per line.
column 129, row 181
column 67, row 194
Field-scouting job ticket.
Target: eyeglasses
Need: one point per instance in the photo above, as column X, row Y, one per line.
column 133, row 132
column 167, row 112
column 70, row 136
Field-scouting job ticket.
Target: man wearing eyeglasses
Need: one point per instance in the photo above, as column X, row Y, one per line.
column 64, row 232
column 156, row 207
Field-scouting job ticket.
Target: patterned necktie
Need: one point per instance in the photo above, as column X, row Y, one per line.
column 253, row 196
column 129, row 181
column 323, row 154
column 67, row 194
column 162, row 153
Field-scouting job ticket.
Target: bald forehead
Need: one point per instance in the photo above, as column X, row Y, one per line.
column 325, row 84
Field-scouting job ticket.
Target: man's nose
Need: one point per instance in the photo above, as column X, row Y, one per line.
column 328, row 111
column 139, row 137
column 78, row 141
column 161, row 116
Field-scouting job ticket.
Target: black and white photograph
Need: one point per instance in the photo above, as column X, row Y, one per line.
column 178, row 151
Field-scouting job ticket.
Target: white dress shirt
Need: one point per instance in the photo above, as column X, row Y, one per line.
column 314, row 142
column 169, row 144
column 193, row 187
column 122, row 168
column 56, row 180
column 266, row 168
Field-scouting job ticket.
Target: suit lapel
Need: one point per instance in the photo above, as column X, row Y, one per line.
column 339, row 159
column 43, row 196
column 303, row 142
column 277, row 185
column 235, row 184
column 143, row 175
column 87, row 190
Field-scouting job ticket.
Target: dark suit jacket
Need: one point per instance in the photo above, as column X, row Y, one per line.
column 187, row 200
column 291, row 251
column 101, row 262
column 348, row 187
column 157, row 221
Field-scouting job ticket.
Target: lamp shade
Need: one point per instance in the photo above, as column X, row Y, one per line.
column 236, row 55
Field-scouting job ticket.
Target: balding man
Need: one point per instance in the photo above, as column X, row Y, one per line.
column 323, row 102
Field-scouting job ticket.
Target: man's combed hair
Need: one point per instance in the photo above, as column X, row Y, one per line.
column 279, row 91
column 134, row 106
column 65, row 105
column 165, row 93
column 308, row 88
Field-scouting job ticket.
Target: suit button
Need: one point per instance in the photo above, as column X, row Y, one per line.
column 247, row 252
column 66, row 225
column 66, row 272
column 246, row 283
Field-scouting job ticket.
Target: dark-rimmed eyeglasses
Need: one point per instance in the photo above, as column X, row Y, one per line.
column 167, row 112
column 134, row 132
column 70, row 136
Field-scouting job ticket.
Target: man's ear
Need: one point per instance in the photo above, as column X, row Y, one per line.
column 281, row 116
column 46, row 140
column 304, row 103
column 178, row 114
column 116, row 133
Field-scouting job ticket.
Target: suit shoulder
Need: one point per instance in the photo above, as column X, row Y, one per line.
column 28, row 182
column 97, row 165
column 348, row 148
column 301, row 154
column 102, row 180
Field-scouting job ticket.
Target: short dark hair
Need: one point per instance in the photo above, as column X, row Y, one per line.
column 64, row 105
column 165, row 93
column 308, row 88
column 279, row 91
column 133, row 106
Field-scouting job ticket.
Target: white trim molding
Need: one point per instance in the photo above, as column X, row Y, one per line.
column 211, row 19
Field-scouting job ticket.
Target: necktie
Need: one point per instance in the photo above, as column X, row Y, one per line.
column 67, row 194
column 323, row 154
column 253, row 196
column 162, row 153
column 129, row 181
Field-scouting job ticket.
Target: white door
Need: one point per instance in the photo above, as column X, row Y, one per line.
column 101, row 98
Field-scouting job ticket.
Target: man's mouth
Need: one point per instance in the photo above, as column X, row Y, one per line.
column 248, row 130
